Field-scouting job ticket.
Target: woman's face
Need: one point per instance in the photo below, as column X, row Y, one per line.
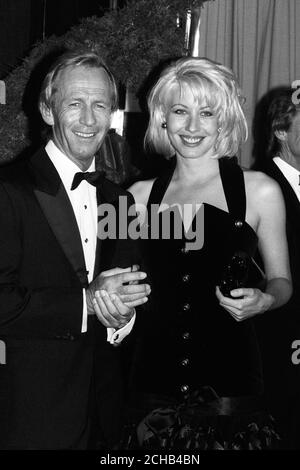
column 192, row 126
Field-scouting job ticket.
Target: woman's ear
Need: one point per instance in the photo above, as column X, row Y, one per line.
column 281, row 135
column 47, row 114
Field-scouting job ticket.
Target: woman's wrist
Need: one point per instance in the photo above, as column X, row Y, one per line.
column 269, row 300
column 280, row 290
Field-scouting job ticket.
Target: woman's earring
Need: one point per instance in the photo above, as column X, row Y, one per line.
column 219, row 129
column 164, row 125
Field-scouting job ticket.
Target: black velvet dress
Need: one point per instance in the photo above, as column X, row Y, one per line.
column 189, row 349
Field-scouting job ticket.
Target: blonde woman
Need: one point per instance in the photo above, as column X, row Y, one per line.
column 194, row 338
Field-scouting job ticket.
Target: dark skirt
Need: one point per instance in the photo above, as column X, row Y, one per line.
column 203, row 421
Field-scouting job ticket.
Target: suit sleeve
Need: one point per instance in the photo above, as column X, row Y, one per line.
column 42, row 312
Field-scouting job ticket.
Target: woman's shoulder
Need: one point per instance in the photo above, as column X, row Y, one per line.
column 141, row 190
column 260, row 185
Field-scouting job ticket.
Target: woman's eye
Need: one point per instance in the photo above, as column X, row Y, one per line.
column 74, row 104
column 179, row 111
column 206, row 113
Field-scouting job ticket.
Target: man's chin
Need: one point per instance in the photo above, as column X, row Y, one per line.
column 85, row 152
column 82, row 159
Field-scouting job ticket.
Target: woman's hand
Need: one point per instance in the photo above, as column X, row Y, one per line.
column 254, row 301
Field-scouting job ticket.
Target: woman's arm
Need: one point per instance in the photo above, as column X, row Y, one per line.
column 266, row 206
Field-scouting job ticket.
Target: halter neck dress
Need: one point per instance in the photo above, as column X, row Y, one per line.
column 196, row 378
column 188, row 340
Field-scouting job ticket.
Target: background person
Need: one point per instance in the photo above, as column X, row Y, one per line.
column 282, row 162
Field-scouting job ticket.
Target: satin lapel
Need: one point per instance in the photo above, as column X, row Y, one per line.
column 106, row 194
column 57, row 209
column 99, row 241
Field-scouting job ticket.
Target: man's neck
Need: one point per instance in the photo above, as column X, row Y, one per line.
column 289, row 158
column 83, row 165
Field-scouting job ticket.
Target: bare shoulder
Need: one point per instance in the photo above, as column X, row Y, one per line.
column 141, row 191
column 261, row 187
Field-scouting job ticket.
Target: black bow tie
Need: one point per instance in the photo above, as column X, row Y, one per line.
column 91, row 177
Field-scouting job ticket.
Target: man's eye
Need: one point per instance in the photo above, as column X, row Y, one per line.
column 74, row 104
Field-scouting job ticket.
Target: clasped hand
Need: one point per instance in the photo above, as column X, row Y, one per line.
column 253, row 302
column 114, row 294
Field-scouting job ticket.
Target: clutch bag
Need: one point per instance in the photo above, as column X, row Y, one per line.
column 241, row 271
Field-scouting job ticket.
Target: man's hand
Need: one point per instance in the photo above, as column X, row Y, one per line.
column 111, row 311
column 130, row 295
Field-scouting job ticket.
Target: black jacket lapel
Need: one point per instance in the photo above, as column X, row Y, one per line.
column 107, row 193
column 99, row 241
column 117, row 250
column 57, row 208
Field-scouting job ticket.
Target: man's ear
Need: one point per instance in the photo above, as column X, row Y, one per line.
column 47, row 114
column 281, row 135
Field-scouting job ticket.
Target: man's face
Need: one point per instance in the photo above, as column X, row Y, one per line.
column 293, row 136
column 81, row 112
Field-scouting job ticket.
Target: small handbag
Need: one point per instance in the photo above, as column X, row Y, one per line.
column 241, row 271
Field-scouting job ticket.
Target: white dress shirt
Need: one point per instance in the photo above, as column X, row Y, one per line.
column 290, row 173
column 84, row 203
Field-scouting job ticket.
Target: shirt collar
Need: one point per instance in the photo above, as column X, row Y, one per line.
column 291, row 173
column 63, row 165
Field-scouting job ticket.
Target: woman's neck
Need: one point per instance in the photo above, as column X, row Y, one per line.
column 192, row 170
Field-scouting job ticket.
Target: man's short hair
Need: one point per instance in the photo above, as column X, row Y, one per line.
column 87, row 59
column 280, row 116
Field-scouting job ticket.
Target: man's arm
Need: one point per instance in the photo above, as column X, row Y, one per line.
column 32, row 312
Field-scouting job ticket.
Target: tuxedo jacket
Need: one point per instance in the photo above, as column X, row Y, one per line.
column 45, row 383
column 279, row 328
column 292, row 227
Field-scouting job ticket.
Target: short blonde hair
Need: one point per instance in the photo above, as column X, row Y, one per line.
column 209, row 82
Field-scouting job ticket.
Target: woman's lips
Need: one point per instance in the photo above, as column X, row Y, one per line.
column 191, row 140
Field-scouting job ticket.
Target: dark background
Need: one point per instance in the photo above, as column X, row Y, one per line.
column 24, row 22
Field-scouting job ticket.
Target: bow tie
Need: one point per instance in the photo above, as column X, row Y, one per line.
column 91, row 177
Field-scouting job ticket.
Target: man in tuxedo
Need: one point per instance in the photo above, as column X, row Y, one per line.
column 53, row 263
column 280, row 332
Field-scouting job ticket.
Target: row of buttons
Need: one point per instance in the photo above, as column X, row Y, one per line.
column 186, row 335
column 186, row 277
column 184, row 363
